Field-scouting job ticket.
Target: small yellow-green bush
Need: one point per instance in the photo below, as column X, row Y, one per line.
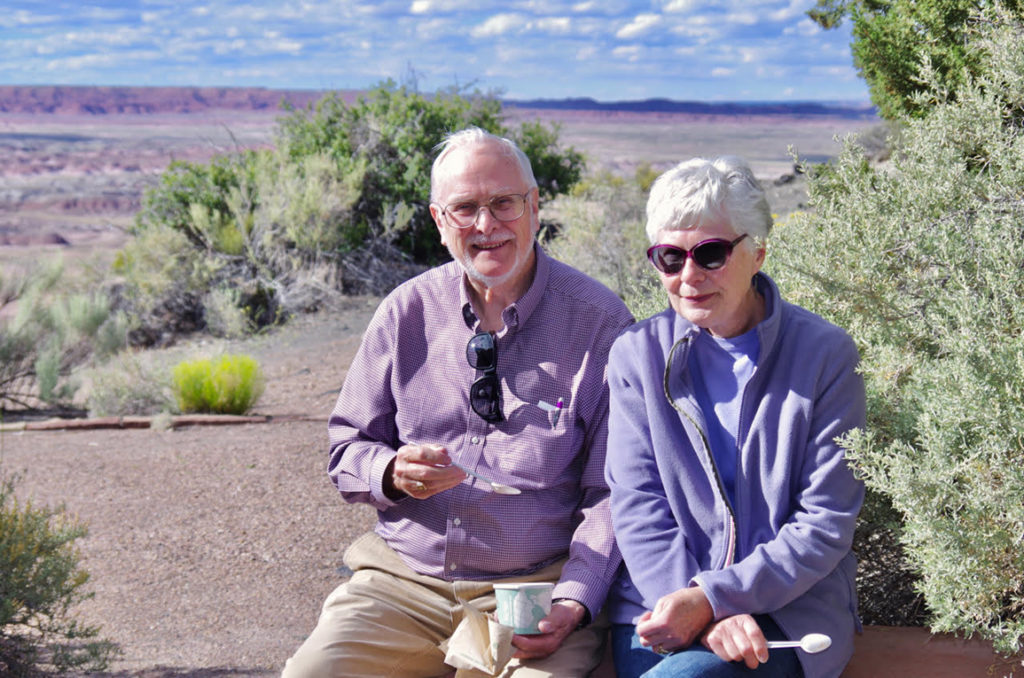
column 230, row 384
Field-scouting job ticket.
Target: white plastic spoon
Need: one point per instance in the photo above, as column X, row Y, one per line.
column 498, row 487
column 812, row 643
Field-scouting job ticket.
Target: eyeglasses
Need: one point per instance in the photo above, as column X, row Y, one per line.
column 502, row 207
column 710, row 255
column 485, row 392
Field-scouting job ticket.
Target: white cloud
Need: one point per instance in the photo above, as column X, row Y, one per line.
column 428, row 6
column 105, row 60
column 432, row 29
column 722, row 72
column 794, row 9
column 586, row 53
column 23, row 18
column 679, row 5
column 806, row 28
column 640, row 24
column 286, row 46
column 560, row 24
column 499, row 24
column 743, row 18
column 749, row 55
column 629, row 53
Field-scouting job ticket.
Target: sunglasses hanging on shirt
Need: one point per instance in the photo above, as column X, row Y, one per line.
column 485, row 392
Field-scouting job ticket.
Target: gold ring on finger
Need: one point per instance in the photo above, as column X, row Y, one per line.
column 418, row 486
column 660, row 649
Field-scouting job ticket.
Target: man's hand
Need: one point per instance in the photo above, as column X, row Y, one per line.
column 676, row 621
column 563, row 619
column 421, row 471
column 737, row 638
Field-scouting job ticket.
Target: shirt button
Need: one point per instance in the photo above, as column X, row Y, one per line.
column 452, row 567
column 475, row 440
column 457, row 522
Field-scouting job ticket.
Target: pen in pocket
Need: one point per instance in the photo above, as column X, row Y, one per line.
column 554, row 411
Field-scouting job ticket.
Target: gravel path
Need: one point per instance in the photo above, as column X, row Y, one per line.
column 210, row 548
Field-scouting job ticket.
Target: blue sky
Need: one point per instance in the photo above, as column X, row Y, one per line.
column 610, row 50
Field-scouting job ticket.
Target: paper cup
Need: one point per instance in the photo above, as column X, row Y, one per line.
column 522, row 606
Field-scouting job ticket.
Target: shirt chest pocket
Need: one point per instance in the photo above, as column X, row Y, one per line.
column 544, row 441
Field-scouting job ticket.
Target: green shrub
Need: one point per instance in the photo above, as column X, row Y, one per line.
column 54, row 330
column 230, row 384
column 128, row 384
column 603, row 234
column 40, row 584
column 921, row 262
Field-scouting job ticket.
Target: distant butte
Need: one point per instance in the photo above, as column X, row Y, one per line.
column 72, row 100
column 75, row 100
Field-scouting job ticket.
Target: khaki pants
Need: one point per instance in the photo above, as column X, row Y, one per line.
column 387, row 621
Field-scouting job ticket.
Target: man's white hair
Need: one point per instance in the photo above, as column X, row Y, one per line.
column 470, row 137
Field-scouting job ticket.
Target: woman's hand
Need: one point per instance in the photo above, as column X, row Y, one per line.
column 676, row 621
column 737, row 638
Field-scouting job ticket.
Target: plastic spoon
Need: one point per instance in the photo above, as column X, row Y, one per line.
column 498, row 487
column 812, row 643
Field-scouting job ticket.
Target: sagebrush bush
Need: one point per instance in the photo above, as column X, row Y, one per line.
column 602, row 233
column 128, row 384
column 229, row 384
column 41, row 581
column 55, row 329
column 922, row 262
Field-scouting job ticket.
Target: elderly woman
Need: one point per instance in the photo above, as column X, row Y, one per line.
column 732, row 502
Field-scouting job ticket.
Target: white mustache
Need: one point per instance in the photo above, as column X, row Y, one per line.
column 487, row 242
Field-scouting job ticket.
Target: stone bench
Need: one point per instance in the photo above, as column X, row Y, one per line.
column 910, row 652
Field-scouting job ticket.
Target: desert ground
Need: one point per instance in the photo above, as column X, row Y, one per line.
column 211, row 548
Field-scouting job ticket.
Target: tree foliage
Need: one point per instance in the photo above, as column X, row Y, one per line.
column 921, row 262
column 894, row 39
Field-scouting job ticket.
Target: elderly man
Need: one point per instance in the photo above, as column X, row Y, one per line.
column 494, row 362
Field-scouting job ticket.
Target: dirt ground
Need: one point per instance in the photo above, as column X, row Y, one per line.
column 211, row 548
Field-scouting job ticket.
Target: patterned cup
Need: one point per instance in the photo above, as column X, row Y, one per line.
column 522, row 606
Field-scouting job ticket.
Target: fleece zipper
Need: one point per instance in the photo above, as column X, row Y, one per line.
column 731, row 523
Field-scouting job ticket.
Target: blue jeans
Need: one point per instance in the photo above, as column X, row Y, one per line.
column 632, row 660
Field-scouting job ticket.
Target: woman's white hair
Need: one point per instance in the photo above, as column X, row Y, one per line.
column 470, row 137
column 699, row 192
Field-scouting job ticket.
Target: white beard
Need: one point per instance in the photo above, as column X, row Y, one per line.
column 491, row 281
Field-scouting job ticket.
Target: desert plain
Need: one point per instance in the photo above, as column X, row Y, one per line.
column 210, row 549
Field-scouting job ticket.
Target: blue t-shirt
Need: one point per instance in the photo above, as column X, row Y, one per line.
column 721, row 369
